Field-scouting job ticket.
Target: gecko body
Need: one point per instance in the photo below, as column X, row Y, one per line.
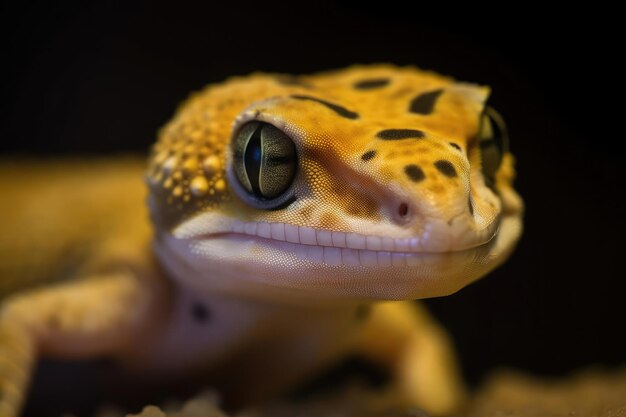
column 281, row 208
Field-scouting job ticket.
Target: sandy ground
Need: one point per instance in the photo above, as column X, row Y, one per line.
column 592, row 393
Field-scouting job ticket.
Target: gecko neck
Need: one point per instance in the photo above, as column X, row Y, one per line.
column 200, row 314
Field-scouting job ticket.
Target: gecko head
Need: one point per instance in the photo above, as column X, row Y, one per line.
column 370, row 182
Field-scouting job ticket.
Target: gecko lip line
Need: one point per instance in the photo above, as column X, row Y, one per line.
column 437, row 239
column 337, row 256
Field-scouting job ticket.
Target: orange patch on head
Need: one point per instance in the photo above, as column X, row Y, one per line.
column 330, row 220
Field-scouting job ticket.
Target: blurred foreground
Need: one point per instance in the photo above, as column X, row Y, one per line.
column 591, row 393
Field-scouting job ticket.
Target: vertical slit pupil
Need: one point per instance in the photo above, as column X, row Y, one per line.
column 252, row 160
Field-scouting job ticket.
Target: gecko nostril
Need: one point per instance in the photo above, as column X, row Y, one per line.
column 403, row 210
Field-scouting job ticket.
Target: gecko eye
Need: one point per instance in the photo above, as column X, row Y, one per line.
column 264, row 162
column 494, row 142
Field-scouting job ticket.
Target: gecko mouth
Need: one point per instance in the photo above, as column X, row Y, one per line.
column 437, row 238
column 337, row 248
column 343, row 256
column 230, row 254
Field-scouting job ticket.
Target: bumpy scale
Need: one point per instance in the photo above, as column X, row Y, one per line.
column 281, row 206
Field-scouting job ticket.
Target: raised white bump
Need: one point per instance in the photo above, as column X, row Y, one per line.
column 278, row 231
column 324, row 237
column 355, row 241
column 436, row 237
column 307, row 235
column 250, row 228
column 383, row 258
column 388, row 243
column 291, row 233
column 398, row 259
column 332, row 256
column 315, row 253
column 373, row 243
column 238, row 227
column 402, row 244
column 301, row 252
column 350, row 257
column 339, row 239
column 368, row 258
column 264, row 230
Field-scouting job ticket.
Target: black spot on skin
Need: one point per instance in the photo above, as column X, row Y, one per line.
column 454, row 145
column 291, row 80
column 341, row 111
column 397, row 134
column 414, row 173
column 200, row 313
column 371, row 83
column 425, row 102
column 446, row 168
column 363, row 312
column 368, row 155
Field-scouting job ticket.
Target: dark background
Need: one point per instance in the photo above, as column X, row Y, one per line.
column 100, row 79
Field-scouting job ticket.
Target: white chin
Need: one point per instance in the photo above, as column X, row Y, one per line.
column 251, row 266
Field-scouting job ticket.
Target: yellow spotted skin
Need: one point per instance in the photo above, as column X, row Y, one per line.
column 399, row 191
column 188, row 165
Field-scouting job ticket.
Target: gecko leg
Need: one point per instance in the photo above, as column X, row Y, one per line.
column 92, row 317
column 17, row 354
column 404, row 338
